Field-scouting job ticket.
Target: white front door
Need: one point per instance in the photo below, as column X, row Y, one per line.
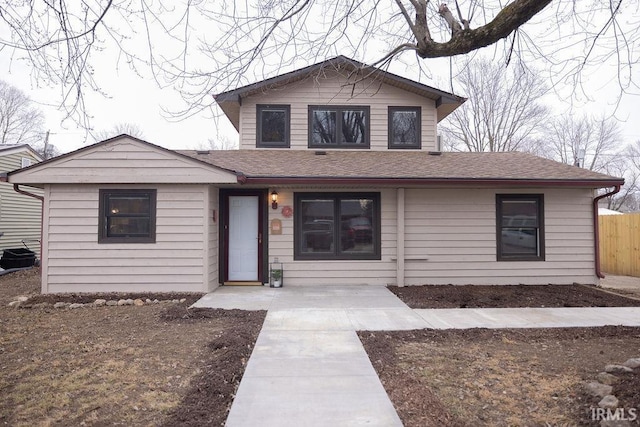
column 243, row 238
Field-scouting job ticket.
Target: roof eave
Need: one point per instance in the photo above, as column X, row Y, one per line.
column 284, row 180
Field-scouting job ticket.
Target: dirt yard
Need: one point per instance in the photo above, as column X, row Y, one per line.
column 477, row 296
column 511, row 377
column 150, row 365
column 166, row 365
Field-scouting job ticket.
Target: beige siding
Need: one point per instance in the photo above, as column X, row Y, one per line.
column 124, row 161
column 451, row 238
column 332, row 90
column 75, row 262
column 213, row 211
column 334, row 272
column 20, row 215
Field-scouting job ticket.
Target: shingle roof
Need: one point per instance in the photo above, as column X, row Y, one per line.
column 280, row 166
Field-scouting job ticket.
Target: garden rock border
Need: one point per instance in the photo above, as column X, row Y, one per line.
column 602, row 388
column 22, row 302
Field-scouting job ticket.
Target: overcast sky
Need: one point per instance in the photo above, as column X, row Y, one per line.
column 137, row 100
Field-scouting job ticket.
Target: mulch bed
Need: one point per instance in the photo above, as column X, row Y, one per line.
column 509, row 296
column 211, row 392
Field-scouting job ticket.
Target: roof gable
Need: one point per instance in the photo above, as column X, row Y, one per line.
column 6, row 150
column 122, row 160
column 231, row 101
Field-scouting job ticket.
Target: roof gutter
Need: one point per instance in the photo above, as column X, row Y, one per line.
column 596, row 230
column 276, row 180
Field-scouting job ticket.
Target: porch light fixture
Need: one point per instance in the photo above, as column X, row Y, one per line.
column 274, row 200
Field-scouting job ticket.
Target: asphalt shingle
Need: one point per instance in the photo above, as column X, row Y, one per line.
column 356, row 164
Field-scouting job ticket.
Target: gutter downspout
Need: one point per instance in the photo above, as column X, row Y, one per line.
column 41, row 198
column 596, row 231
column 400, row 230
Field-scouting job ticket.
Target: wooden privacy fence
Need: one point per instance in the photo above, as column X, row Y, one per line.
column 620, row 244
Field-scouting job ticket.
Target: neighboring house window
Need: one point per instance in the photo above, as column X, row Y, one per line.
column 26, row 162
column 337, row 226
column 338, row 127
column 404, row 127
column 520, row 227
column 273, row 126
column 127, row 216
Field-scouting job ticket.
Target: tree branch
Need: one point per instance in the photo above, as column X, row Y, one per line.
column 508, row 20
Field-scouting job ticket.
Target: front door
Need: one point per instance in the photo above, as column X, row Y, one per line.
column 244, row 238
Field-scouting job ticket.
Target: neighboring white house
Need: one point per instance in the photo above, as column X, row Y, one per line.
column 20, row 215
column 338, row 176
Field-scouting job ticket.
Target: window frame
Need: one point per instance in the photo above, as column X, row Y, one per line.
column 105, row 195
column 339, row 109
column 260, row 108
column 539, row 199
column 394, row 109
column 337, row 254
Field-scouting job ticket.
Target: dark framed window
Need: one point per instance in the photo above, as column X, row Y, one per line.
column 520, row 227
column 404, row 127
column 273, row 126
column 337, row 226
column 127, row 216
column 338, row 126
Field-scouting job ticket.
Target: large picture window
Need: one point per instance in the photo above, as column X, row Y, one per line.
column 127, row 216
column 273, row 126
column 404, row 127
column 520, row 227
column 338, row 127
column 337, row 226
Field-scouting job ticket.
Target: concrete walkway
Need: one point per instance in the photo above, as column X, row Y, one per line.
column 308, row 367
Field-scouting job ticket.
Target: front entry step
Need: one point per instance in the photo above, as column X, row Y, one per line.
column 243, row 283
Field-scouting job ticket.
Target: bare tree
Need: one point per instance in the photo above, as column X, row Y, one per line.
column 209, row 46
column 224, row 142
column 503, row 112
column 130, row 129
column 20, row 121
column 591, row 143
column 595, row 143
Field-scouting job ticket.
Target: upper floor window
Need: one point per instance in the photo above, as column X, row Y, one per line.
column 520, row 227
column 127, row 216
column 273, row 126
column 404, row 127
column 338, row 126
column 25, row 161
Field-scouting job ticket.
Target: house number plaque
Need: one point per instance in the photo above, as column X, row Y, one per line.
column 276, row 226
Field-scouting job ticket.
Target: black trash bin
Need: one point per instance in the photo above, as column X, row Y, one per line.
column 17, row 258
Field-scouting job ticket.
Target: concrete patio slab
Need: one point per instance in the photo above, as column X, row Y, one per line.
column 387, row 319
column 464, row 318
column 239, row 297
column 308, row 367
column 308, row 353
column 308, row 319
column 312, row 401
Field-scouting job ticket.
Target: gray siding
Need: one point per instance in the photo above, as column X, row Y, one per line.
column 20, row 215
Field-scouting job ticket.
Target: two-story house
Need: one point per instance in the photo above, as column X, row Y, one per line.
column 339, row 176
